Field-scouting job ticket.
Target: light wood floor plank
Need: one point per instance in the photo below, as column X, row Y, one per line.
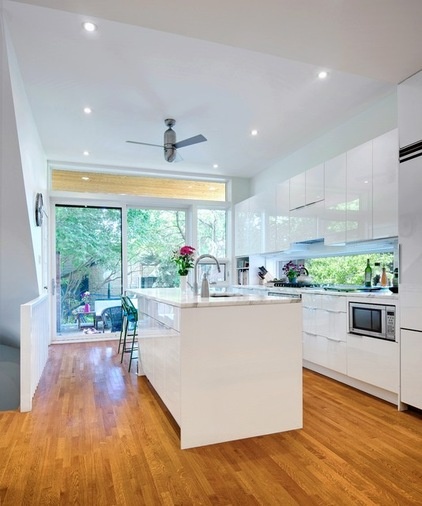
column 99, row 436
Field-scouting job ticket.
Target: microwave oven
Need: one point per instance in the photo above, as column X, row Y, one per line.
column 373, row 320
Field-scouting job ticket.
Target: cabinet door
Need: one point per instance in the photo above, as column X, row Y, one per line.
column 411, row 372
column 283, row 217
column 255, row 223
column 325, row 352
column 385, row 185
column 269, row 204
column 334, row 215
column 359, row 193
column 241, row 237
column 314, row 179
column 373, row 361
column 409, row 96
column 298, row 191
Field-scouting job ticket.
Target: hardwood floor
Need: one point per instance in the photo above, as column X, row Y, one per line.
column 98, row 435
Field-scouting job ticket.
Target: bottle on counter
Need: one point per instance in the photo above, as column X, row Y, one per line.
column 205, row 287
column 396, row 277
column 384, row 279
column 368, row 274
column 376, row 274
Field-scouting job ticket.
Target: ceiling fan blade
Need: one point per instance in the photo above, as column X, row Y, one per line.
column 190, row 141
column 146, row 144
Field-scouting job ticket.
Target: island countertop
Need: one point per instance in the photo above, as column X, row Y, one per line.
column 175, row 297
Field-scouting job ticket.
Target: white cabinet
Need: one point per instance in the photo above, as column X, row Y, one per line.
column 373, row 361
column 297, row 197
column 283, row 216
column 409, row 96
column 307, row 187
column 241, row 236
column 255, row 224
column 159, row 350
column 334, row 214
column 411, row 372
column 315, row 184
column 385, row 185
column 324, row 331
column 306, row 204
column 359, row 193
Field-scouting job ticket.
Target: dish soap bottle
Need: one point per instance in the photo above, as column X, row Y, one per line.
column 205, row 287
column 384, row 280
column 368, row 274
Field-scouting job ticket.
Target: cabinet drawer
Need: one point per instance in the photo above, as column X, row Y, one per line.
column 334, row 303
column 325, row 352
column 373, row 361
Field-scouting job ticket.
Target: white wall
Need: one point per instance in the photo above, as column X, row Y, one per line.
column 374, row 121
column 23, row 173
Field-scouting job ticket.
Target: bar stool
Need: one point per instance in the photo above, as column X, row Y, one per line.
column 128, row 335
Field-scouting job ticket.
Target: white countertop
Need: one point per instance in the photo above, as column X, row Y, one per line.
column 383, row 293
column 175, row 297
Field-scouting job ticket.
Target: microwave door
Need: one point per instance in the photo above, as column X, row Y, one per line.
column 410, row 243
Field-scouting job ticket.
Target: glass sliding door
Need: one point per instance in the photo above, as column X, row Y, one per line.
column 152, row 236
column 88, row 270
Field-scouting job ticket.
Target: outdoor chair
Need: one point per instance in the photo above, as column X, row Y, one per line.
column 112, row 318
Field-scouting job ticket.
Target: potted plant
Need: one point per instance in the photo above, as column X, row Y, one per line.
column 292, row 271
column 184, row 259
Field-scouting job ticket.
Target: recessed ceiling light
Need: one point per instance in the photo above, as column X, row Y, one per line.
column 86, row 153
column 89, row 27
column 254, row 132
column 85, row 178
column 87, row 110
column 323, row 74
column 215, row 166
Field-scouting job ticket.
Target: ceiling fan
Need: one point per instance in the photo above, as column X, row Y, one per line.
column 170, row 145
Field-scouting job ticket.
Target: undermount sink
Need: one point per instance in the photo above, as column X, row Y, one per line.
column 225, row 294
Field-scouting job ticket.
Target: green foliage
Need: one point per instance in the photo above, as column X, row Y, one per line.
column 348, row 269
column 88, row 248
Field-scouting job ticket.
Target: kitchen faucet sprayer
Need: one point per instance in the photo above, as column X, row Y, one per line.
column 195, row 270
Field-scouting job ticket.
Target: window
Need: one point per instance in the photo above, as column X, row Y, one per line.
column 212, row 232
column 152, row 235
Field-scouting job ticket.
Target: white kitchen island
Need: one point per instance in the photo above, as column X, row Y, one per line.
column 226, row 367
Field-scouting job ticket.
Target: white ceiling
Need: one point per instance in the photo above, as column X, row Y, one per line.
column 219, row 68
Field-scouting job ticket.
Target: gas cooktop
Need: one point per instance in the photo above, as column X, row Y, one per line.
column 282, row 284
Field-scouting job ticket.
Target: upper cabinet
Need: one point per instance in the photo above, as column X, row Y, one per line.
column 385, row 160
column 409, row 96
column 334, row 217
column 306, row 202
column 359, row 193
column 352, row 197
column 283, row 216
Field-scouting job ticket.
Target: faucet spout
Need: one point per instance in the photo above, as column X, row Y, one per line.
column 195, row 270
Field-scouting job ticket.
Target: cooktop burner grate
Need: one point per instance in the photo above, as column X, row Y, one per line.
column 282, row 284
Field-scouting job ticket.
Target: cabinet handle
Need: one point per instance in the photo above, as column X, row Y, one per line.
column 333, row 339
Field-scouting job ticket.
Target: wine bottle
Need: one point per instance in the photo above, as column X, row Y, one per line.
column 384, row 279
column 368, row 274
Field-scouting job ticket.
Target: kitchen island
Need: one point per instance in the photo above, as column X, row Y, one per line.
column 226, row 367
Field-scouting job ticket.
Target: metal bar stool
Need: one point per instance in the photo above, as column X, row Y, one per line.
column 129, row 344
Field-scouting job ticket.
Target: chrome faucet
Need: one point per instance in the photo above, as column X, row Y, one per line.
column 195, row 270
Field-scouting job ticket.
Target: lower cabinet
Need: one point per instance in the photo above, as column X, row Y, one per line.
column 324, row 331
column 373, row 361
column 327, row 352
column 159, row 351
column 327, row 344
